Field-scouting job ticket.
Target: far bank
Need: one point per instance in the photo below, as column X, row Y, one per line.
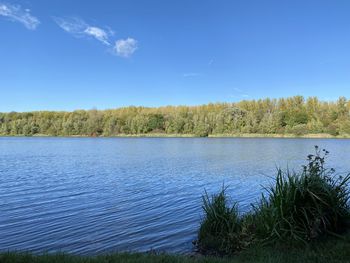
column 177, row 135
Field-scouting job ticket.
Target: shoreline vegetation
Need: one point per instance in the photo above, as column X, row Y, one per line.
column 326, row 251
column 332, row 250
column 284, row 117
column 304, row 216
column 164, row 135
column 297, row 209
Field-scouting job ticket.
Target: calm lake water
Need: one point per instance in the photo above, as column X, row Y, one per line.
column 96, row 195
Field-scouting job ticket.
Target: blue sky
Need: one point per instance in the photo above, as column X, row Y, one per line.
column 66, row 55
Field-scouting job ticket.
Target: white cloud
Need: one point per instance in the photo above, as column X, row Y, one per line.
column 17, row 14
column 79, row 28
column 97, row 33
column 73, row 25
column 125, row 47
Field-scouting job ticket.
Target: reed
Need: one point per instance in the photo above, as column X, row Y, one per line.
column 220, row 229
column 299, row 207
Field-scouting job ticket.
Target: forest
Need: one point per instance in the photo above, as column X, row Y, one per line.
column 293, row 115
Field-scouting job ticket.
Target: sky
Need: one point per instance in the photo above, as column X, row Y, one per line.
column 68, row 55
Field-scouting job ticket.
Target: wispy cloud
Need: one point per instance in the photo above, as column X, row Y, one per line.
column 210, row 62
column 191, row 74
column 98, row 33
column 72, row 25
column 125, row 47
column 17, row 14
column 79, row 28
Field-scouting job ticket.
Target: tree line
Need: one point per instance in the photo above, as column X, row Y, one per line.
column 293, row 115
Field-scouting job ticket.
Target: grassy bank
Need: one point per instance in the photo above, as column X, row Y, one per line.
column 260, row 135
column 178, row 135
column 332, row 250
column 240, row 135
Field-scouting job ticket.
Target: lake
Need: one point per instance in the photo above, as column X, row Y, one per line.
column 97, row 195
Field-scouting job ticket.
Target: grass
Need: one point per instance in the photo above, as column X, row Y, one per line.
column 299, row 208
column 220, row 230
column 325, row 251
column 305, row 206
column 285, row 135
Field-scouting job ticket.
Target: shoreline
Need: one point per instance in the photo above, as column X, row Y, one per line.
column 165, row 135
column 332, row 250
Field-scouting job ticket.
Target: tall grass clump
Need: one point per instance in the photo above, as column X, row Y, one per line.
column 220, row 229
column 297, row 208
column 304, row 206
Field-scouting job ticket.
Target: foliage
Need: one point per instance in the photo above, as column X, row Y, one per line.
column 220, row 229
column 305, row 206
column 268, row 116
column 299, row 208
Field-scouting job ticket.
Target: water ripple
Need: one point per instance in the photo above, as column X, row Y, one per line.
column 91, row 196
